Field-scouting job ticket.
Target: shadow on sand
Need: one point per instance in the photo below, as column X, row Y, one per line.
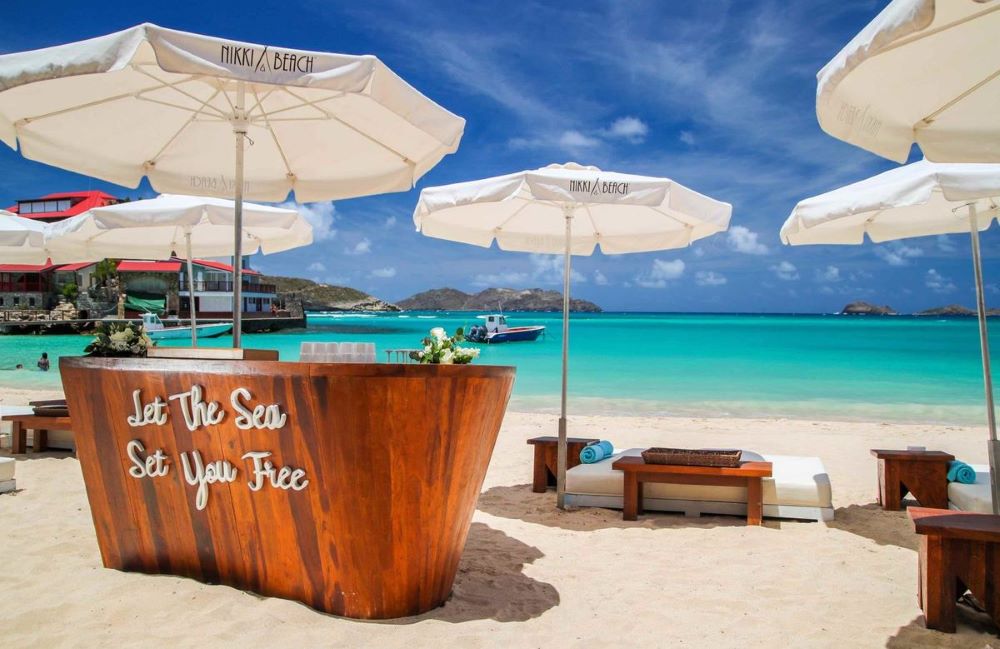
column 491, row 583
column 870, row 521
column 974, row 632
column 519, row 502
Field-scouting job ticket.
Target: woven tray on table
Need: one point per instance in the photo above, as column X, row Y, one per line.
column 692, row 457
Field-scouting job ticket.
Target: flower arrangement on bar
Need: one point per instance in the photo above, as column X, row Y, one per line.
column 120, row 340
column 441, row 349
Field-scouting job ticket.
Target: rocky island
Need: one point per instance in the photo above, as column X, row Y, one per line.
column 313, row 296
column 493, row 299
column 955, row 310
column 866, row 308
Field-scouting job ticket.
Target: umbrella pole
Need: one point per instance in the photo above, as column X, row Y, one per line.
column 561, row 456
column 190, row 274
column 984, row 344
column 240, row 131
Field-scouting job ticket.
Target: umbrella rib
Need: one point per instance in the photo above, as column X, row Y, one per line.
column 324, row 115
column 175, row 88
column 593, row 223
column 373, row 140
column 511, row 217
column 187, row 123
column 274, row 136
column 931, row 32
column 89, row 104
column 926, row 121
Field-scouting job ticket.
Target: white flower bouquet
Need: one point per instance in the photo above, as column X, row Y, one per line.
column 441, row 349
column 119, row 339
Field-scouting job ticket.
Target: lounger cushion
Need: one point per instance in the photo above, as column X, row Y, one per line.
column 7, row 468
column 798, row 481
column 972, row 497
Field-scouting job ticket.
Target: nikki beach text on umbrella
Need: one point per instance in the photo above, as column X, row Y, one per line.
column 259, row 61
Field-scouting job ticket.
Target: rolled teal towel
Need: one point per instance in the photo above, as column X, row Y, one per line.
column 961, row 472
column 596, row 452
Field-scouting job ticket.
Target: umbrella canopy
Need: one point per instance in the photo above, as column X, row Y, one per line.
column 525, row 212
column 920, row 199
column 162, row 226
column 22, row 241
column 911, row 201
column 159, row 227
column 570, row 209
column 179, row 109
column 924, row 71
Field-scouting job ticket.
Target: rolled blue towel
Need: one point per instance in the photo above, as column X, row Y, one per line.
column 961, row 472
column 596, row 452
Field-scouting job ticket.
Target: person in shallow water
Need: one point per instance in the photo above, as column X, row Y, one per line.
column 43, row 362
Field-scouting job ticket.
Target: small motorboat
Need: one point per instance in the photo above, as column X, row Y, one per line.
column 156, row 330
column 495, row 330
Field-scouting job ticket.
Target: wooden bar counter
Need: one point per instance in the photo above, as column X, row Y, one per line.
column 349, row 487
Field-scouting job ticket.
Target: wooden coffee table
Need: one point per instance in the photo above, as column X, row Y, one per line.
column 546, row 457
column 21, row 424
column 922, row 473
column 956, row 547
column 637, row 472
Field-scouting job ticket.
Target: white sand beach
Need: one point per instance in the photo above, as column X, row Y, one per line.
column 533, row 576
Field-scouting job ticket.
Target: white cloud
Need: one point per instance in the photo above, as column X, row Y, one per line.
column 362, row 247
column 548, row 269
column 660, row 273
column 320, row 216
column 945, row 243
column 317, row 267
column 632, row 129
column 828, row 274
column 383, row 273
column 574, row 139
column 500, row 280
column 390, row 222
column 600, row 279
column 744, row 240
column 897, row 253
column 938, row 283
column 699, row 252
column 786, row 270
column 709, row 278
column 687, row 137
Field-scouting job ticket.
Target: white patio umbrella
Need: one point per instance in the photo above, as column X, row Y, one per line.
column 178, row 108
column 22, row 241
column 920, row 199
column 570, row 209
column 169, row 224
column 924, row 71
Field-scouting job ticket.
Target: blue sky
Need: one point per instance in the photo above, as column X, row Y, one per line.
column 716, row 95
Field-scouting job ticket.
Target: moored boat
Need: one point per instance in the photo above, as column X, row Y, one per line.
column 496, row 330
column 156, row 330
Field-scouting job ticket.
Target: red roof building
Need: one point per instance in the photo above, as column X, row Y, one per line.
column 61, row 205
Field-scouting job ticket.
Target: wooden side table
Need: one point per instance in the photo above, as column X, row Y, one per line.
column 958, row 551
column 748, row 474
column 21, row 424
column 546, row 457
column 922, row 473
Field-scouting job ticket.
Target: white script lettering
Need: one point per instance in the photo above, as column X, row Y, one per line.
column 204, row 475
column 150, row 413
column 261, row 417
column 153, row 466
column 196, row 411
column 283, row 478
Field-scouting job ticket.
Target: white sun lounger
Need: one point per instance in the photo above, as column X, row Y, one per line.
column 798, row 489
column 972, row 497
column 7, row 483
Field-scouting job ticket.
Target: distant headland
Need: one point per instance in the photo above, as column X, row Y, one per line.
column 861, row 307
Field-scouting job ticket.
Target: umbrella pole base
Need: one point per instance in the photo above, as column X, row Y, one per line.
column 994, row 447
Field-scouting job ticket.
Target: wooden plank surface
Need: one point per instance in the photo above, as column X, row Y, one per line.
column 954, row 524
column 395, row 456
column 912, row 456
column 746, row 469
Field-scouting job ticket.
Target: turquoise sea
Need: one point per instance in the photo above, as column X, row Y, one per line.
column 801, row 366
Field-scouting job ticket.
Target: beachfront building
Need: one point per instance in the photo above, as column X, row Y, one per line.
column 159, row 286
